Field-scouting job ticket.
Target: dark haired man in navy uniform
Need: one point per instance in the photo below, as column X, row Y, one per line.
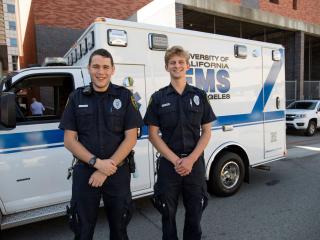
column 100, row 125
column 183, row 115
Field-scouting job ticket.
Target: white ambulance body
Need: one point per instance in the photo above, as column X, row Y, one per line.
column 244, row 81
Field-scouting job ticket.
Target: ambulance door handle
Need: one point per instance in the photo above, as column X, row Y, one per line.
column 278, row 102
column 226, row 128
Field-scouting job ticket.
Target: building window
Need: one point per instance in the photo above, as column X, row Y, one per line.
column 13, row 42
column 274, row 1
column 11, row 8
column 295, row 4
column 12, row 25
column 15, row 63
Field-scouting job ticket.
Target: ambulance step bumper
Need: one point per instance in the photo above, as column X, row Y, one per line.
column 34, row 215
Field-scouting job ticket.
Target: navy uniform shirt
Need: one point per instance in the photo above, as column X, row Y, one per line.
column 101, row 119
column 179, row 117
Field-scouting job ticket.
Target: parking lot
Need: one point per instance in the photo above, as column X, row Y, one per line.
column 280, row 204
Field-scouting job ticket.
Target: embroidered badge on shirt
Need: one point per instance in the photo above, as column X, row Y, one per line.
column 117, row 103
column 196, row 100
column 166, row 105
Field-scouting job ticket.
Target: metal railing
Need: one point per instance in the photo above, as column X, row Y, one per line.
column 311, row 90
column 291, row 92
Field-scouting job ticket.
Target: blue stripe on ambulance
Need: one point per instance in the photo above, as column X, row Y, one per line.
column 10, row 142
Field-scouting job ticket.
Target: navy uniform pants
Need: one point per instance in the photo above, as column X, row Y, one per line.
column 85, row 202
column 195, row 198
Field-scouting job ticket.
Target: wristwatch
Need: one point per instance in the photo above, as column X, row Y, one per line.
column 92, row 161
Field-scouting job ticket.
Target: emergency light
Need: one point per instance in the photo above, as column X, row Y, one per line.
column 158, row 41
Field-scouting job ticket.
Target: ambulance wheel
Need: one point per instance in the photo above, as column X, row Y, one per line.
column 226, row 175
column 311, row 129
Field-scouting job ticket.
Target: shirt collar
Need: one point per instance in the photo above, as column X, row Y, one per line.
column 187, row 89
column 111, row 90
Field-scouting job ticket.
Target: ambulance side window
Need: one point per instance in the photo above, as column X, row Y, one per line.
column 51, row 91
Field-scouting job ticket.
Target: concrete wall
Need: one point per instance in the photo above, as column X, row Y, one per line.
column 266, row 15
column 23, row 12
column 158, row 12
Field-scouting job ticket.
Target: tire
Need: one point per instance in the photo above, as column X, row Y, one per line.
column 311, row 129
column 226, row 175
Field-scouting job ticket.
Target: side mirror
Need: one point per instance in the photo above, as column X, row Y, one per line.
column 8, row 109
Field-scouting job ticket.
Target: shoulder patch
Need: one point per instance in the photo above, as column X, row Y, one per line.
column 134, row 103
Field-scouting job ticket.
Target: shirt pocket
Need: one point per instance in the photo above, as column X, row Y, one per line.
column 168, row 116
column 115, row 121
column 84, row 118
column 195, row 114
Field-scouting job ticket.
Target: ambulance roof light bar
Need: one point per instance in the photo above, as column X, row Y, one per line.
column 55, row 61
column 100, row 19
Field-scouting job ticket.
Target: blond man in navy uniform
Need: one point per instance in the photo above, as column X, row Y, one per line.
column 183, row 116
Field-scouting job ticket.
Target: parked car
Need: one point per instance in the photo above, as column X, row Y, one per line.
column 304, row 115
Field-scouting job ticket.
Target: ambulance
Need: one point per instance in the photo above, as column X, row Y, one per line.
column 244, row 81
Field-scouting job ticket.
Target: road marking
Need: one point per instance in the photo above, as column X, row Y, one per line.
column 303, row 151
column 317, row 149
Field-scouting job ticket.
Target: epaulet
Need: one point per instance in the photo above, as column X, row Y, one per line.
column 80, row 88
column 77, row 91
column 162, row 89
column 194, row 88
column 120, row 87
column 157, row 95
column 198, row 90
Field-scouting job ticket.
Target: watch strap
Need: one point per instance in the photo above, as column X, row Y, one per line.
column 92, row 161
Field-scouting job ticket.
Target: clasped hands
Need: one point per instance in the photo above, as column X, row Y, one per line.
column 183, row 166
column 105, row 168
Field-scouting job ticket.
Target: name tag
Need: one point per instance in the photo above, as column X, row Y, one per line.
column 165, row 105
column 83, row 106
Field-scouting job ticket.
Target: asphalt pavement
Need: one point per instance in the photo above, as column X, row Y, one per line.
column 280, row 204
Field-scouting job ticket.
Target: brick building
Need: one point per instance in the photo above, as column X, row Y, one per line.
column 51, row 27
